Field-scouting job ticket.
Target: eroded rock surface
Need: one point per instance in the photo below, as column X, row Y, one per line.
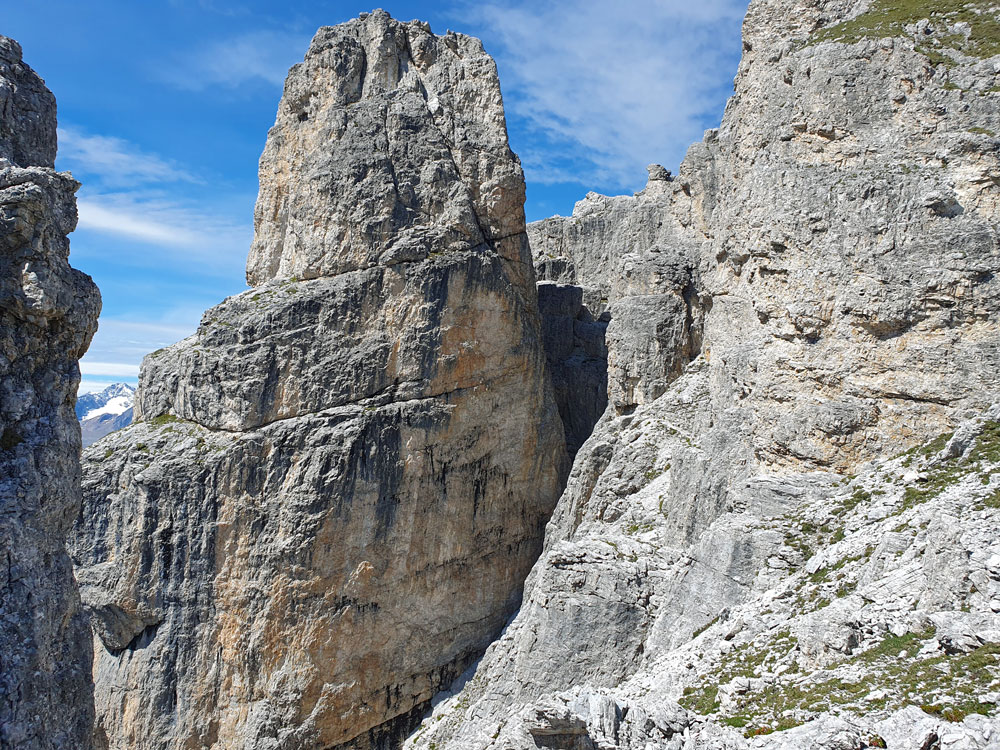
column 814, row 292
column 48, row 314
column 334, row 490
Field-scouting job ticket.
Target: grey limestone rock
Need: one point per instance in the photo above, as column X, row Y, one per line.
column 814, row 293
column 414, row 155
column 27, row 112
column 333, row 491
column 48, row 314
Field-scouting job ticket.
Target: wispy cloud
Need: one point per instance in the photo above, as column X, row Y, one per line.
column 255, row 56
column 137, row 195
column 606, row 88
column 129, row 340
column 122, row 215
column 121, row 344
column 114, row 161
column 166, row 222
column 145, row 221
column 96, row 385
column 118, row 369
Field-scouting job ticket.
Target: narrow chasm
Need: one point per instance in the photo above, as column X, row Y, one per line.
column 577, row 356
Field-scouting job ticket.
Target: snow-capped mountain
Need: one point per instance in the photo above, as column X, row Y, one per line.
column 104, row 412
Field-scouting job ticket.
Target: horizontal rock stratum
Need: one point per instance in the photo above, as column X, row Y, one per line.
column 334, row 490
column 48, row 314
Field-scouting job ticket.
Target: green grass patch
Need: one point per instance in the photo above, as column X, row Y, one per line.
column 936, row 445
column 949, row 473
column 824, row 574
column 164, row 419
column 701, row 700
column 747, row 660
column 654, row 473
column 889, row 18
column 908, row 680
column 704, row 627
column 780, row 726
column 639, row 528
column 736, row 721
column 859, row 496
column 987, row 447
column 990, row 501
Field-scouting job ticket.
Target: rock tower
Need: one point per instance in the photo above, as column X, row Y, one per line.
column 335, row 488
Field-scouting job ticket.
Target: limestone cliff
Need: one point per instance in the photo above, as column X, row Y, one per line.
column 738, row 550
column 48, row 314
column 334, row 490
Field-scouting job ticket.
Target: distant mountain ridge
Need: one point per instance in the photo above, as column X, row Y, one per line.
column 102, row 413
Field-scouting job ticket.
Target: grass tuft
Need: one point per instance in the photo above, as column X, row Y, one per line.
column 164, row 419
column 889, row 18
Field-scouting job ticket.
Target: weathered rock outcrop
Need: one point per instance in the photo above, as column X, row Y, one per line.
column 335, row 488
column 815, row 290
column 48, row 314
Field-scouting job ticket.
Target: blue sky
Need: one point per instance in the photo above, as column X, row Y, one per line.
column 164, row 106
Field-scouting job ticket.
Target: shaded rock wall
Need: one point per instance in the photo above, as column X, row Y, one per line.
column 333, row 491
column 48, row 314
column 577, row 357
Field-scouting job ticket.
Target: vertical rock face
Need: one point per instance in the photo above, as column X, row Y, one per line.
column 335, row 488
column 577, row 358
column 816, row 289
column 48, row 314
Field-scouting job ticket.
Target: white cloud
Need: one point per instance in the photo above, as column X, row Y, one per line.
column 136, row 195
column 216, row 241
column 120, row 369
column 114, row 161
column 610, row 87
column 120, row 340
column 120, row 345
column 130, row 221
column 261, row 56
column 91, row 385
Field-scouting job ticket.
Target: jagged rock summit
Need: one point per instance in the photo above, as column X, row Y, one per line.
column 48, row 314
column 414, row 155
column 334, row 490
